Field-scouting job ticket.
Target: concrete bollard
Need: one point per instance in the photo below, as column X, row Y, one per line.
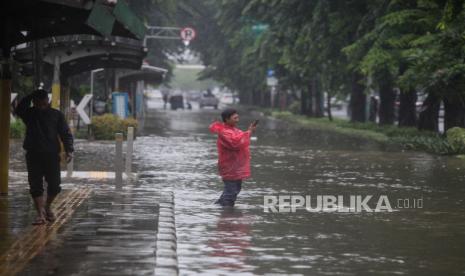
column 129, row 151
column 70, row 168
column 119, row 160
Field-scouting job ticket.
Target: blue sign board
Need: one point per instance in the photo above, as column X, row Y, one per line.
column 270, row 73
column 120, row 104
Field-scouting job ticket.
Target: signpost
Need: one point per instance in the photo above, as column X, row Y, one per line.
column 156, row 32
column 271, row 81
column 187, row 34
column 13, row 97
column 80, row 108
column 270, row 78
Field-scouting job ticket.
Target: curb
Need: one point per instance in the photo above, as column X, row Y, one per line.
column 166, row 262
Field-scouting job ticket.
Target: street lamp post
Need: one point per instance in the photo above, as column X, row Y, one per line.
column 91, row 109
column 92, row 89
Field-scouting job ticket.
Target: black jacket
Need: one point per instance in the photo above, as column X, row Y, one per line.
column 43, row 127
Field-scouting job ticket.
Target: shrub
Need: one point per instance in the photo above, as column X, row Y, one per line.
column 294, row 107
column 104, row 127
column 456, row 139
column 17, row 129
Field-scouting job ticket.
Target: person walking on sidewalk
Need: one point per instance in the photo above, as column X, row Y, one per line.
column 233, row 154
column 45, row 127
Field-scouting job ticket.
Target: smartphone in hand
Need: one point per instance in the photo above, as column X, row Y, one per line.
column 255, row 123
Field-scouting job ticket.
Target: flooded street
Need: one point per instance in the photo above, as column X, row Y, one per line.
column 177, row 153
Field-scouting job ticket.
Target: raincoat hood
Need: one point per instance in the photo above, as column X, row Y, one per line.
column 233, row 151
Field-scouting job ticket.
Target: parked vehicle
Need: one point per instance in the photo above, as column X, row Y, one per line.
column 176, row 101
column 194, row 96
column 227, row 98
column 208, row 99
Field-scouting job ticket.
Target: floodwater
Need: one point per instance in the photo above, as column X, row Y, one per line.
column 177, row 153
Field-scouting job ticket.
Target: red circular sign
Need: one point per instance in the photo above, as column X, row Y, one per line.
column 187, row 34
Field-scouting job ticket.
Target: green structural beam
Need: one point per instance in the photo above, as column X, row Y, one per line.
column 130, row 21
column 101, row 19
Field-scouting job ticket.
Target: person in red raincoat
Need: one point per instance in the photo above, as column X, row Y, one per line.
column 233, row 155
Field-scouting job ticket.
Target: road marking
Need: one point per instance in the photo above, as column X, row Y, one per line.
column 34, row 238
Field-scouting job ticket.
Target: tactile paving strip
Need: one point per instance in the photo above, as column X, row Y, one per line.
column 34, row 238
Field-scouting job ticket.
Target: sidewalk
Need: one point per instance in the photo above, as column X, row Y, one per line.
column 99, row 231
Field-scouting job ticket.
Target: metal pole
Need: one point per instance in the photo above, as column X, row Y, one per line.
column 56, row 83
column 129, row 151
column 38, row 56
column 89, row 128
column 70, row 165
column 119, row 160
column 5, row 94
column 91, row 108
column 91, row 91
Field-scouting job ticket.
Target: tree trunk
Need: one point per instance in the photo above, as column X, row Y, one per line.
column 256, row 97
column 319, row 106
column 311, row 95
column 387, row 97
column 428, row 119
column 373, row 109
column 454, row 112
column 357, row 100
column 407, row 108
column 303, row 101
column 262, row 98
column 328, row 100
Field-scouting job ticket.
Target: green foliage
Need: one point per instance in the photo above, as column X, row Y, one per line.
column 188, row 79
column 456, row 138
column 105, row 126
column 295, row 107
column 342, row 46
column 408, row 138
column 17, row 129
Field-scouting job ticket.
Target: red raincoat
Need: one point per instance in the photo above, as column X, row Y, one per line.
column 233, row 151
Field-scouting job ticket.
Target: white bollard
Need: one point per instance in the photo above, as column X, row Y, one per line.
column 119, row 160
column 129, row 151
column 69, row 168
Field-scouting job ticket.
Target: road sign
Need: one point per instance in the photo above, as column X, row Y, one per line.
column 270, row 73
column 271, row 81
column 188, row 34
column 80, row 108
column 13, row 97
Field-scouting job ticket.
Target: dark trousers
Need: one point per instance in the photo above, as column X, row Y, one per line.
column 230, row 192
column 40, row 166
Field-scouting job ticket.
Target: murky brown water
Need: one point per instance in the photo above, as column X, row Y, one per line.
column 179, row 154
column 176, row 152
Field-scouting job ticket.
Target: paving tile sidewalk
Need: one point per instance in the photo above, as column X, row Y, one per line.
column 113, row 232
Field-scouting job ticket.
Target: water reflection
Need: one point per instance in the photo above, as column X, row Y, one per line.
column 4, row 226
column 231, row 240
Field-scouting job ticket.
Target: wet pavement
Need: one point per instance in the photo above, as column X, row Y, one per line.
column 176, row 153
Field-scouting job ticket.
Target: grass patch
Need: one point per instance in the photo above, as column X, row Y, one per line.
column 17, row 129
column 406, row 137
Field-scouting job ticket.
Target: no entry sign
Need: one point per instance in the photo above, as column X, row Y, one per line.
column 187, row 34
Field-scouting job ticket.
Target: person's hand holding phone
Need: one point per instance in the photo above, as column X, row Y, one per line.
column 253, row 126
